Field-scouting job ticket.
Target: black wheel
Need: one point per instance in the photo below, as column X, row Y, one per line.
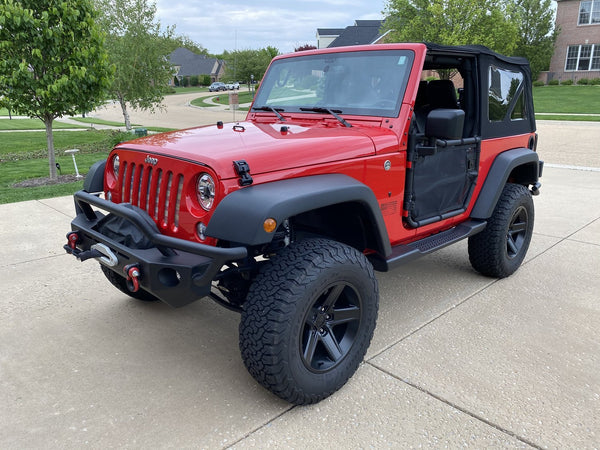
column 121, row 284
column 309, row 319
column 500, row 248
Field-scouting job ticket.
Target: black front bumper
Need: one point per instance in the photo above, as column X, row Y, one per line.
column 176, row 271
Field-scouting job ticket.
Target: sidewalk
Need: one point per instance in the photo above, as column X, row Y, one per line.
column 458, row 359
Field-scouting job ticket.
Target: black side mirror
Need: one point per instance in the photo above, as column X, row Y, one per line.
column 445, row 123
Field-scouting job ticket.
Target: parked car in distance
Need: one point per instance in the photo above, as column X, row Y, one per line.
column 217, row 86
column 233, row 86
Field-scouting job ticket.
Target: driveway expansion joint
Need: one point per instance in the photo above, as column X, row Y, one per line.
column 459, row 408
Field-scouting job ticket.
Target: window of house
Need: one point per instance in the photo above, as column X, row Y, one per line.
column 589, row 12
column 596, row 58
column 572, row 55
column 583, row 57
column 585, row 53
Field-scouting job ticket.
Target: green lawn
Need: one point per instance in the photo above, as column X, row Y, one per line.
column 32, row 124
column 243, row 97
column 29, row 144
column 12, row 194
column 222, row 98
column 14, row 171
column 188, row 90
column 24, row 156
column 95, row 121
column 91, row 120
column 201, row 101
column 567, row 99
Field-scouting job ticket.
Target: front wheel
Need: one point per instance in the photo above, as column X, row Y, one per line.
column 308, row 319
column 500, row 248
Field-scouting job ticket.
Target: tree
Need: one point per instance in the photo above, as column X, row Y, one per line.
column 451, row 22
column 305, row 47
column 139, row 50
column 537, row 33
column 53, row 60
column 184, row 41
column 245, row 65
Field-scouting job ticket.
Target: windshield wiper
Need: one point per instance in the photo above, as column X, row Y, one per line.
column 330, row 111
column 272, row 109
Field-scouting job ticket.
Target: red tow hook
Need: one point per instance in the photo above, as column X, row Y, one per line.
column 72, row 239
column 133, row 274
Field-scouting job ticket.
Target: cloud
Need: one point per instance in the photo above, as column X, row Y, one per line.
column 235, row 24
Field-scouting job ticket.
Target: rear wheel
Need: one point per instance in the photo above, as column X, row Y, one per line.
column 121, row 284
column 309, row 319
column 500, row 248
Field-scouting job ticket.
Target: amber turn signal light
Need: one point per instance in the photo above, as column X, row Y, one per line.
column 270, row 225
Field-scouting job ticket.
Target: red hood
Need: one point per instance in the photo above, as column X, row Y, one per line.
column 265, row 147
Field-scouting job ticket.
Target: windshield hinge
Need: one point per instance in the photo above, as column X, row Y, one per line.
column 243, row 170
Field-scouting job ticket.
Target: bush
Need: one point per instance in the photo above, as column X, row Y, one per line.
column 583, row 81
column 566, row 83
column 553, row 83
column 539, row 83
column 116, row 137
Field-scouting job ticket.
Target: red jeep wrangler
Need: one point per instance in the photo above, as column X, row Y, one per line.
column 348, row 161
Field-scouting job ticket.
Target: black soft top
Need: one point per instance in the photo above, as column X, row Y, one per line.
column 485, row 59
column 477, row 50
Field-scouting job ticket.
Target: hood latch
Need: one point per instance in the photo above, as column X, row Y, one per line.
column 243, row 170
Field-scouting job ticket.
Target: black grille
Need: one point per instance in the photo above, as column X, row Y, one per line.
column 156, row 191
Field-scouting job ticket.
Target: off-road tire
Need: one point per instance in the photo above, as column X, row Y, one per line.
column 121, row 284
column 500, row 248
column 313, row 296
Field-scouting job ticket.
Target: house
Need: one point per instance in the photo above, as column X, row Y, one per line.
column 326, row 36
column 577, row 49
column 362, row 32
column 187, row 63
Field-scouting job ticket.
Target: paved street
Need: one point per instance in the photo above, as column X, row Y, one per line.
column 457, row 360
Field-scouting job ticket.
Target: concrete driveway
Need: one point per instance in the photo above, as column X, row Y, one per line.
column 176, row 112
column 457, row 359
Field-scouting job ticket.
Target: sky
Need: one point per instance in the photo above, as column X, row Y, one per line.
column 241, row 25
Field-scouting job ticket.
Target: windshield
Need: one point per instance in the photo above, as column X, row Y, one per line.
column 367, row 83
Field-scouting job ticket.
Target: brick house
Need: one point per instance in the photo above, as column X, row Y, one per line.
column 577, row 49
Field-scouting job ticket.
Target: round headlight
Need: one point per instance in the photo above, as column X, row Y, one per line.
column 116, row 165
column 205, row 190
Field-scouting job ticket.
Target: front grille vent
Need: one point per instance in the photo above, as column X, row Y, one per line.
column 156, row 191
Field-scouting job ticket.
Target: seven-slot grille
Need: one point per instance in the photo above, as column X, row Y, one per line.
column 156, row 191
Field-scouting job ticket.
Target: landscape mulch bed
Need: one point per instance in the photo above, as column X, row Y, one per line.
column 46, row 181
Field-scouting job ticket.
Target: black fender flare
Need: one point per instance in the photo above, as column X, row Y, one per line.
column 502, row 167
column 239, row 217
column 94, row 179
